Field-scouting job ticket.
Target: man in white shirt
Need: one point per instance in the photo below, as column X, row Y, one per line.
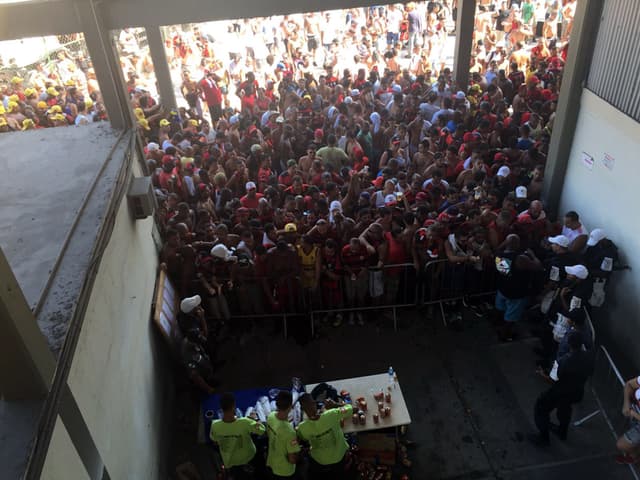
column 576, row 232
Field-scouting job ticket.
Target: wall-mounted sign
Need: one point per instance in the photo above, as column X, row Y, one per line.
column 587, row 160
column 608, row 161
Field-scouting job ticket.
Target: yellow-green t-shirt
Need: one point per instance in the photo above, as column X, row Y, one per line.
column 325, row 435
column 234, row 439
column 282, row 442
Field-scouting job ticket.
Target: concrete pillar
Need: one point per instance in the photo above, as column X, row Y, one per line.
column 465, row 23
column 27, row 362
column 583, row 38
column 161, row 67
column 106, row 63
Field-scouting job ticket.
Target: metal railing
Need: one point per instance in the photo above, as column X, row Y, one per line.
column 607, row 387
column 446, row 282
column 378, row 289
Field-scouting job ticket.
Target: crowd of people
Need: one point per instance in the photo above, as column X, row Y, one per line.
column 321, row 160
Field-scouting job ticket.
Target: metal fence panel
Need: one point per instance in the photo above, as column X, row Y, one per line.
column 615, row 68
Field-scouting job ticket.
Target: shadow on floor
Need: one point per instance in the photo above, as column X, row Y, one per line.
column 470, row 396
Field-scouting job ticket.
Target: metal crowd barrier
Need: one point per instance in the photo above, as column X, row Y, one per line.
column 399, row 277
column 438, row 283
column 607, row 387
column 608, row 380
column 444, row 282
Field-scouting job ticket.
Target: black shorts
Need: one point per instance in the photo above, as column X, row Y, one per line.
column 312, row 43
column 335, row 471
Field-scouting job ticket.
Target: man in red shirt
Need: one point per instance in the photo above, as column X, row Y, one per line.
column 356, row 277
column 212, row 95
column 252, row 198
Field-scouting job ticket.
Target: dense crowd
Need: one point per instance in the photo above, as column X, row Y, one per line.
column 326, row 161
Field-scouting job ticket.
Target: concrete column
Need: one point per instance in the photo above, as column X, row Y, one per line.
column 27, row 362
column 161, row 67
column 465, row 23
column 105, row 63
column 582, row 42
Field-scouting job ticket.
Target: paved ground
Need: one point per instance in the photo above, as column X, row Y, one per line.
column 470, row 397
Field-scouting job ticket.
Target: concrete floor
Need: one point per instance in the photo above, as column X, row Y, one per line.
column 470, row 397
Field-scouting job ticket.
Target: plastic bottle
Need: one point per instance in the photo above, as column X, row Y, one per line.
column 390, row 372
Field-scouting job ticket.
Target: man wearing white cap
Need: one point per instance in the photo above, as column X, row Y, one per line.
column 194, row 355
column 252, row 198
column 560, row 258
column 629, row 442
column 573, row 372
column 601, row 254
column 191, row 316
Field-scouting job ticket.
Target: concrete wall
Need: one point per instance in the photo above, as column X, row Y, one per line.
column 62, row 459
column 607, row 198
column 118, row 373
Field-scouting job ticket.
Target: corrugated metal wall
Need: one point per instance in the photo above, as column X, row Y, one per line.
column 615, row 69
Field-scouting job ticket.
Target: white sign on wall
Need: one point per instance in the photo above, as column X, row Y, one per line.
column 609, row 161
column 587, row 160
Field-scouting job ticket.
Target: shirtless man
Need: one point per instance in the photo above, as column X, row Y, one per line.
column 307, row 160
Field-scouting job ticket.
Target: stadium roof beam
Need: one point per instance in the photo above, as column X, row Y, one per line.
column 56, row 17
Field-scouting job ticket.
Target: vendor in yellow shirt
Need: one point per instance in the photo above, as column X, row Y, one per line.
column 283, row 444
column 324, row 433
column 233, row 436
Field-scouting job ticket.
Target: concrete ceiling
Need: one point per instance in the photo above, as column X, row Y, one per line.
column 54, row 17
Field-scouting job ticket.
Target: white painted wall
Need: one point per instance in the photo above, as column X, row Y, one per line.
column 609, row 199
column 62, row 459
column 117, row 380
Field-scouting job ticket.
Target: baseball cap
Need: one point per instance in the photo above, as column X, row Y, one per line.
column 396, row 89
column 460, row 95
column 579, row 271
column 318, row 133
column 291, row 163
column 193, row 122
column 16, row 79
column 27, row 124
column 51, row 91
column 280, row 119
column 355, row 92
column 521, row 192
column 595, row 236
column 144, row 123
column 504, row 171
column 390, row 200
column 42, row 105
column 422, row 196
column 152, row 147
column 164, row 122
column 290, row 228
column 223, row 253
column 187, row 305
column 560, row 240
column 250, row 186
column 348, row 100
column 256, row 147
